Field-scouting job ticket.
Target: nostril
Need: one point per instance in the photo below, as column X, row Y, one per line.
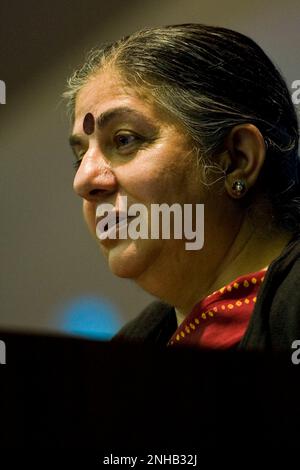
column 94, row 192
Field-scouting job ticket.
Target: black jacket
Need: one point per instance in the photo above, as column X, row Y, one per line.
column 274, row 324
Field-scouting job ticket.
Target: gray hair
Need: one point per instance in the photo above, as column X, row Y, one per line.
column 211, row 79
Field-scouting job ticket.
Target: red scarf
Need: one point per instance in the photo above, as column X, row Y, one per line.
column 221, row 319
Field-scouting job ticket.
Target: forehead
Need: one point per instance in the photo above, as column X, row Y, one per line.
column 107, row 91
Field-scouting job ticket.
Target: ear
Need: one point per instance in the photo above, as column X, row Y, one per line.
column 244, row 157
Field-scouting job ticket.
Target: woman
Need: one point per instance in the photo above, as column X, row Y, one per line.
column 195, row 114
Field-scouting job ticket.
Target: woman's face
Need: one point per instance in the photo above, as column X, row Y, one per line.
column 133, row 149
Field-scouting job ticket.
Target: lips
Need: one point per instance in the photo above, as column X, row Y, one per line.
column 107, row 225
column 111, row 217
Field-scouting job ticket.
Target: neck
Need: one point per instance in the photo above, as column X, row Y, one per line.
column 185, row 279
column 249, row 252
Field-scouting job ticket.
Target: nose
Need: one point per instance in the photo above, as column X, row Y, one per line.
column 94, row 178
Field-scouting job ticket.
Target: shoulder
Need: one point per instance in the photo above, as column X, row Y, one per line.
column 284, row 285
column 275, row 322
column 155, row 324
column 285, row 307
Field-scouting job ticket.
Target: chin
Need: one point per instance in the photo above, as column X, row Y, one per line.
column 129, row 259
column 124, row 261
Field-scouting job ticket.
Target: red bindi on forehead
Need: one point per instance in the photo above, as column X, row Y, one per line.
column 88, row 124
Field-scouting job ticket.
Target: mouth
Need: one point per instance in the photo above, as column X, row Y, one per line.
column 119, row 222
column 109, row 225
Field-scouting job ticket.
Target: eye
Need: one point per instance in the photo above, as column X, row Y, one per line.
column 124, row 140
column 78, row 159
column 76, row 164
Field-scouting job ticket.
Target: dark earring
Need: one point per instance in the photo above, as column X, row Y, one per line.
column 238, row 187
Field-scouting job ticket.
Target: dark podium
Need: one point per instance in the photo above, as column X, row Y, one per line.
column 68, row 393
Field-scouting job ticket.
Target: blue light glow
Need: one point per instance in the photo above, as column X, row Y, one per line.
column 89, row 317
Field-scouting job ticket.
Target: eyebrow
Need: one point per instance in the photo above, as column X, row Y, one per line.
column 106, row 117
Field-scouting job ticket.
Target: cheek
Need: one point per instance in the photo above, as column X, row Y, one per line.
column 150, row 181
column 139, row 181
